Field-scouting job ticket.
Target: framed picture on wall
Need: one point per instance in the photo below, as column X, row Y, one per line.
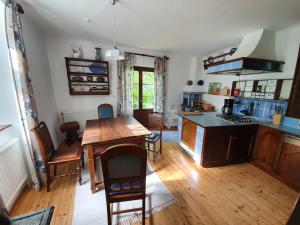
column 214, row 88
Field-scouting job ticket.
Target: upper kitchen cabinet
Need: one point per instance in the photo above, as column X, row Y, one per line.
column 293, row 109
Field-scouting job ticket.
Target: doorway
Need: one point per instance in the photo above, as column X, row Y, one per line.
column 143, row 93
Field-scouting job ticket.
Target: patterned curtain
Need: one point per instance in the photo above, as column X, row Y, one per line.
column 125, row 86
column 23, row 85
column 160, row 71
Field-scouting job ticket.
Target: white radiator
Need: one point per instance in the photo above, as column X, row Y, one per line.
column 13, row 174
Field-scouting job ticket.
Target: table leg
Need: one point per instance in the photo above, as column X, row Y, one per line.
column 90, row 149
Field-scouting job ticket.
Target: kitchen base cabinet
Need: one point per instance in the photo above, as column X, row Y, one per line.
column 188, row 133
column 217, row 145
column 267, row 148
column 244, row 143
column 288, row 167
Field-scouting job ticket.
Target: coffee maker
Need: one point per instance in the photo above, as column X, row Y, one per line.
column 227, row 109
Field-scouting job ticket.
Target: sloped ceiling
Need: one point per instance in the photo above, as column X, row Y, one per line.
column 188, row 26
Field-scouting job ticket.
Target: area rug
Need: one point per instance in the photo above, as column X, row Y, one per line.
column 90, row 209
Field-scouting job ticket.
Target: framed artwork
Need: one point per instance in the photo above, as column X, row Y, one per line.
column 214, row 88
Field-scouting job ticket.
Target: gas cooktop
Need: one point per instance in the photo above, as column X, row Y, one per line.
column 236, row 118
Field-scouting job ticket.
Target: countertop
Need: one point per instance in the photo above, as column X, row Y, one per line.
column 209, row 119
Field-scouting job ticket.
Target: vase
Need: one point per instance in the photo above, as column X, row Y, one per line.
column 98, row 54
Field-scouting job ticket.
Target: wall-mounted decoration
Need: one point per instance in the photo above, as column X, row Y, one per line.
column 189, row 82
column 214, row 88
column 200, row 82
column 225, row 91
column 87, row 77
column 98, row 54
column 219, row 58
column 76, row 52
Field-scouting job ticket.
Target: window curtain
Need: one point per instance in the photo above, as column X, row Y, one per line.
column 24, row 89
column 160, row 72
column 125, row 86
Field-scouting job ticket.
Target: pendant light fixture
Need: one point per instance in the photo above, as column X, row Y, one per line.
column 115, row 53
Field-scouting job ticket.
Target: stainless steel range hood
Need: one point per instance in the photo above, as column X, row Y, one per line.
column 256, row 54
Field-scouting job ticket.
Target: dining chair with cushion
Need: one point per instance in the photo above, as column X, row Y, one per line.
column 156, row 123
column 105, row 111
column 53, row 157
column 124, row 175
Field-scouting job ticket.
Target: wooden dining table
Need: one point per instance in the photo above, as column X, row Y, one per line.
column 101, row 134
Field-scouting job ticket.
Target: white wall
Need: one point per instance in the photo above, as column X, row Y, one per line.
column 81, row 108
column 286, row 47
column 36, row 51
column 178, row 75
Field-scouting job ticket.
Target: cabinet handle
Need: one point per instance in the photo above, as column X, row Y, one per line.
column 229, row 146
column 250, row 146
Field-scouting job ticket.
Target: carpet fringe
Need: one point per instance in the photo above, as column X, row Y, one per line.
column 138, row 216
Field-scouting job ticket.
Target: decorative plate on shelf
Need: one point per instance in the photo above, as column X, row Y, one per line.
column 94, row 68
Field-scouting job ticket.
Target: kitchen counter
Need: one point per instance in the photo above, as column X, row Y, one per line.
column 209, row 119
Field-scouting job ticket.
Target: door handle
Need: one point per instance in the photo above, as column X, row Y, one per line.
column 229, row 147
column 250, row 146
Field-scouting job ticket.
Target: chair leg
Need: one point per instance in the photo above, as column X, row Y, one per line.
column 79, row 172
column 54, row 170
column 109, row 217
column 48, row 178
column 160, row 145
column 143, row 212
column 154, row 151
column 82, row 159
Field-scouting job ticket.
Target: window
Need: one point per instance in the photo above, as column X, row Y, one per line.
column 143, row 88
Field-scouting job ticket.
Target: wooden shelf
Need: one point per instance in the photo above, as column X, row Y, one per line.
column 84, row 82
column 88, row 84
column 88, row 93
column 88, row 74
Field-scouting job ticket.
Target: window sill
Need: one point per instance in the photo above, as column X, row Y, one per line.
column 3, row 127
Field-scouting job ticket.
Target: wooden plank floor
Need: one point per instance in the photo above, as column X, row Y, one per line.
column 237, row 194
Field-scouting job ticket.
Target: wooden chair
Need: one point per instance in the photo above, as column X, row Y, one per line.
column 105, row 111
column 124, row 174
column 54, row 157
column 156, row 122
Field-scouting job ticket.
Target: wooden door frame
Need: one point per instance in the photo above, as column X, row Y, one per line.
column 294, row 86
column 141, row 69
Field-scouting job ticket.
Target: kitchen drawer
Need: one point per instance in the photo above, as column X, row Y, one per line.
column 263, row 82
column 272, row 83
column 269, row 96
column 270, row 88
column 249, row 83
column 247, row 94
column 248, row 88
column 241, row 85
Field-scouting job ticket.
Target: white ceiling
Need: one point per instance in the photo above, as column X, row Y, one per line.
column 188, row 26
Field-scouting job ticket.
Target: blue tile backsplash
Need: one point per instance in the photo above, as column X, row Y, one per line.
column 264, row 110
column 261, row 108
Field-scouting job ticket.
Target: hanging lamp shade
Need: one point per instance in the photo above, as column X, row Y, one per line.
column 114, row 53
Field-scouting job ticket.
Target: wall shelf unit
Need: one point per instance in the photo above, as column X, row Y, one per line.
column 87, row 77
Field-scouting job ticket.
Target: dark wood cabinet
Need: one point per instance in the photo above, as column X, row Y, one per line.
column 293, row 109
column 218, row 144
column 267, row 148
column 242, row 150
column 227, row 145
column 288, row 166
column 188, row 135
